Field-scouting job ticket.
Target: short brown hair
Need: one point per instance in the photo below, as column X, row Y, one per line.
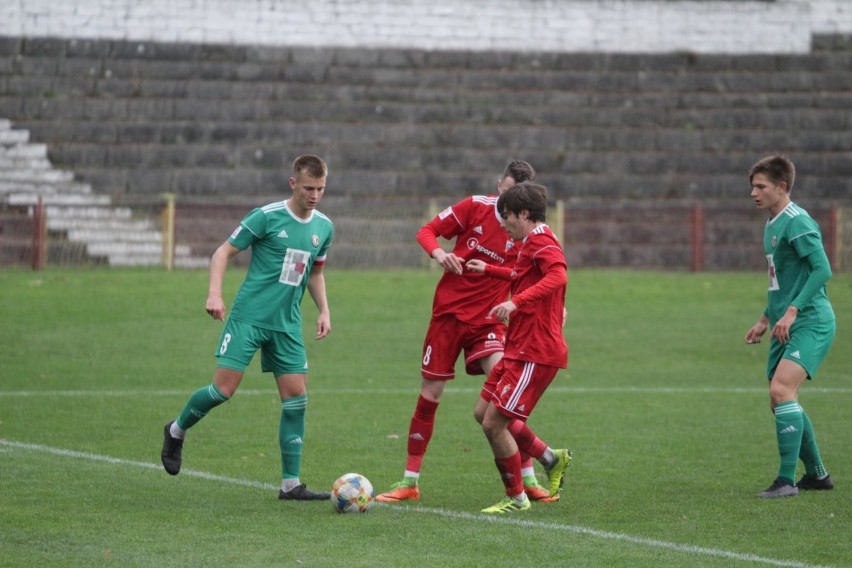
column 776, row 168
column 519, row 171
column 311, row 165
column 527, row 196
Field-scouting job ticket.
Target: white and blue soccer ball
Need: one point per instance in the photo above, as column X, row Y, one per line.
column 352, row 493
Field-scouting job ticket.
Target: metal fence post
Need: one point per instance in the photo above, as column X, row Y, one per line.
column 168, row 228
column 697, row 239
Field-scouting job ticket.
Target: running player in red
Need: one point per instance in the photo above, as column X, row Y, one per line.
column 459, row 323
column 535, row 347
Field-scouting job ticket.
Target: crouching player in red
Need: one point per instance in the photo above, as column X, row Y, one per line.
column 535, row 347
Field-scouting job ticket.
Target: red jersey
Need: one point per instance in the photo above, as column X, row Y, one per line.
column 538, row 287
column 475, row 225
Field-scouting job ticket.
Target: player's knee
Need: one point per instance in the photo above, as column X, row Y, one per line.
column 479, row 413
column 491, row 427
column 779, row 394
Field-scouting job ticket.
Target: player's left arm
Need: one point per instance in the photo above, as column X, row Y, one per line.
column 316, row 288
column 554, row 277
column 481, row 267
column 809, row 247
column 551, row 262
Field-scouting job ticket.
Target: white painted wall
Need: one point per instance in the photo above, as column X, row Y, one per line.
column 636, row 26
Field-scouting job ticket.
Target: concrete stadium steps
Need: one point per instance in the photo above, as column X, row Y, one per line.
column 662, row 183
column 211, row 122
column 23, row 186
column 163, row 99
column 12, row 138
column 83, row 228
column 268, row 151
column 123, row 236
column 119, row 60
column 98, row 232
column 653, row 160
column 665, row 110
column 143, row 117
column 15, row 160
column 696, row 130
column 71, row 199
column 630, row 107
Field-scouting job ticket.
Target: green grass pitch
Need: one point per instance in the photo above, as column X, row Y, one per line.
column 664, row 406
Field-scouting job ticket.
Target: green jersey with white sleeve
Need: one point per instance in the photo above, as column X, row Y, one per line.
column 788, row 240
column 284, row 250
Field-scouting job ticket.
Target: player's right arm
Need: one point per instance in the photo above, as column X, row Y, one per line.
column 218, row 264
column 445, row 225
column 447, row 260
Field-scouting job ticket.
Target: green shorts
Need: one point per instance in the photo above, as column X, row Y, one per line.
column 808, row 346
column 281, row 352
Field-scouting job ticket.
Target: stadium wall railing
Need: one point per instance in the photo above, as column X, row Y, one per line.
column 380, row 233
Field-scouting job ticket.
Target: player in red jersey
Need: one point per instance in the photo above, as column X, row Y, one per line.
column 460, row 321
column 535, row 347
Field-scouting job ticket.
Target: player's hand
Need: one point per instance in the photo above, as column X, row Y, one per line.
column 503, row 311
column 756, row 332
column 475, row 265
column 781, row 331
column 323, row 325
column 448, row 261
column 215, row 307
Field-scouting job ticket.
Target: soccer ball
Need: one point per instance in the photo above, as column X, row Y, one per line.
column 352, row 493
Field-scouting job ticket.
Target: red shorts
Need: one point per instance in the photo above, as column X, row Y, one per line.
column 514, row 387
column 447, row 337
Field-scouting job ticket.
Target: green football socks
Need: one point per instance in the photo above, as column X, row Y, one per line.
column 809, row 453
column 789, row 426
column 291, row 434
column 199, row 404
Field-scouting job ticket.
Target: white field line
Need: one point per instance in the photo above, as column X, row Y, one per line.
column 638, row 540
column 573, row 529
column 118, row 461
column 271, row 391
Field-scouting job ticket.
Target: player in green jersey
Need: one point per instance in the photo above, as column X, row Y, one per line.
column 289, row 241
column 799, row 316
